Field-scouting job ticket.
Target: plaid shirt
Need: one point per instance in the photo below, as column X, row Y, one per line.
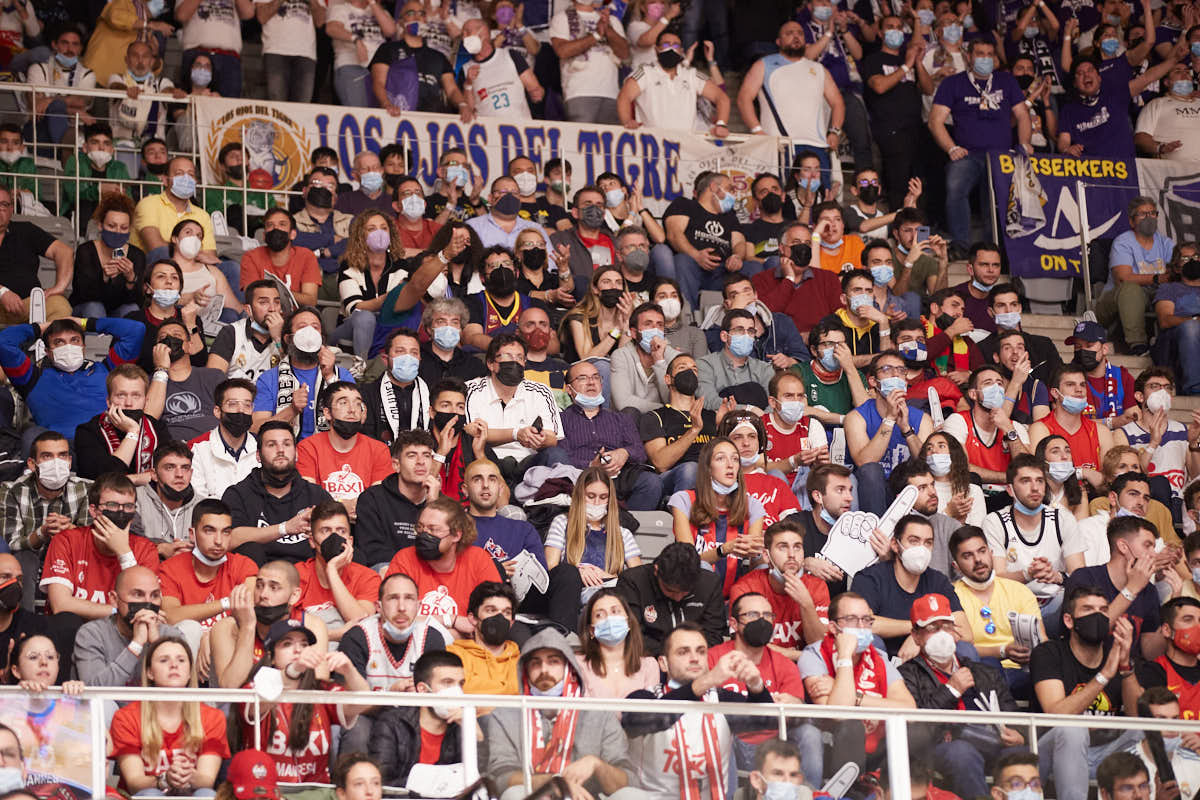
column 23, row 510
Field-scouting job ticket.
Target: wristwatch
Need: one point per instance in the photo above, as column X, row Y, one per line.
column 615, row 333
column 1011, row 436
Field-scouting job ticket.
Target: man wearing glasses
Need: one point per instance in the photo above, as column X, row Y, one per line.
column 1016, row 774
column 82, row 564
column 732, row 372
column 503, row 223
column 1137, row 263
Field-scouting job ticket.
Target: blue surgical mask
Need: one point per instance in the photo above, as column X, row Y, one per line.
column 405, row 367
column 165, row 298
column 155, row 7
column 968, row 21
column 589, row 400
column 201, row 77
column 1123, row 512
column 1183, row 87
column 183, row 186
column 859, row 301
column 647, row 336
column 978, row 286
column 939, row 464
column 1110, row 46
column 863, row 637
column 925, row 16
column 829, row 360
column 457, row 173
column 892, row 384
column 611, row 630
column 822, row 13
column 809, row 184
column 1074, row 405
column 983, row 65
column 722, row 489
column 882, row 274
column 66, row 62
column 1060, row 470
column 1196, row 49
column 554, row 691
column 952, row 34
column 1031, row 32
column 827, row 517
column 727, row 202
column 1008, row 319
column 446, row 336
column 790, row 411
column 258, row 327
column 992, row 396
column 741, row 344
column 140, row 78
column 1029, row 510
column 614, row 198
column 893, row 39
column 371, row 181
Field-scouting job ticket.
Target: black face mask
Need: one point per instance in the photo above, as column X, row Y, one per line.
column 277, row 240
column 10, row 595
column 429, row 547
column 134, row 414
column 332, row 547
column 801, row 254
column 944, row 321
column 510, row 373
column 176, row 345
column 758, row 633
column 508, row 205
column 278, row 480
column 392, row 179
column 268, row 615
column 320, row 197
column 669, row 59
column 235, row 171
column 686, row 382
column 501, row 282
column 1092, row 628
column 533, row 258
column 610, row 297
column 1086, row 359
column 345, row 428
column 157, row 169
column 119, row 518
column 494, row 630
column 1190, row 269
column 443, row 418
column 236, row 422
column 134, row 608
column 771, row 203
column 868, row 194
column 1024, row 81
column 174, row 495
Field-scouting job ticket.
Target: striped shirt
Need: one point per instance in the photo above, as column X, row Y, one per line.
column 530, row 402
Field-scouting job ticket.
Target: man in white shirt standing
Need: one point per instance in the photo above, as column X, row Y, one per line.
column 496, row 79
column 663, row 95
column 523, row 423
column 591, row 45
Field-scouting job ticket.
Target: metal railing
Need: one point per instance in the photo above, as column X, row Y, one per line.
column 896, row 721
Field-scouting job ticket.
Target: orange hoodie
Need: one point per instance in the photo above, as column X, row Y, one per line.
column 487, row 673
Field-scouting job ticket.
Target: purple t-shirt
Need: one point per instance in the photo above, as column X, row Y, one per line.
column 1102, row 128
column 982, row 112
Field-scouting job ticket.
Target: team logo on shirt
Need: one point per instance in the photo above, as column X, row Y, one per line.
column 650, row 614
column 439, row 604
column 344, row 483
column 183, row 404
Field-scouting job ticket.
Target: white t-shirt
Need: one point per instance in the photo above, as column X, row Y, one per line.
column 639, row 56
column 978, row 505
column 594, row 72
column 1169, row 119
column 1170, row 459
column 667, row 102
column 798, row 91
column 1093, row 531
column 215, row 26
column 290, row 31
column 360, row 22
column 498, row 88
column 1018, row 549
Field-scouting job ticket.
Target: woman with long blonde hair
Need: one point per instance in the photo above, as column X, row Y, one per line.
column 719, row 516
column 589, row 536
column 372, row 266
column 587, row 329
column 168, row 746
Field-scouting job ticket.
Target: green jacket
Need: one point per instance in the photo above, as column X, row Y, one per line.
column 23, row 166
column 89, row 186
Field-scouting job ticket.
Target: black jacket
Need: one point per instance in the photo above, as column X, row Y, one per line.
column 461, row 365
column 1043, row 355
column 92, row 458
column 386, row 522
column 396, row 743
column 253, row 506
column 659, row 614
column 929, row 692
column 641, row 724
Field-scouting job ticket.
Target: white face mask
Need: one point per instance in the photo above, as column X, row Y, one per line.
column 67, row 357
column 596, row 511
column 916, row 559
column 206, row 561
column 11, row 779
column 472, row 44
column 445, row 710
column 526, row 183
column 53, row 473
column 308, row 339
column 1158, row 400
column 940, row 646
column 11, row 156
column 189, row 247
column 100, row 158
column 437, row 287
column 671, row 307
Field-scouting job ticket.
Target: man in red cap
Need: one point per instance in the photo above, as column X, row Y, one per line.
column 937, row 678
column 251, row 776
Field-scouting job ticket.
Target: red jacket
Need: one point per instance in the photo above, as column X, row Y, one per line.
column 806, row 303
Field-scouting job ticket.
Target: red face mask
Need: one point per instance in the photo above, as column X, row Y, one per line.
column 537, row 339
column 1187, row 639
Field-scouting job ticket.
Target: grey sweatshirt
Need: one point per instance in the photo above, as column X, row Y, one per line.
column 102, row 656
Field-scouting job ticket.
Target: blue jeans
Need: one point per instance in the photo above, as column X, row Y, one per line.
column 963, row 765
column 52, row 126
column 352, row 84
column 1068, row 756
column 714, row 15
column 1184, row 340
column 679, row 478
column 646, row 493
column 290, row 78
column 662, row 259
column 1018, row 680
column 962, row 177
column 359, row 327
column 872, row 488
column 693, row 278
column 227, row 71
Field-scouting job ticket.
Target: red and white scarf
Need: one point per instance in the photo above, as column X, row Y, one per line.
column 143, row 455
column 870, row 678
column 704, row 728
column 550, row 758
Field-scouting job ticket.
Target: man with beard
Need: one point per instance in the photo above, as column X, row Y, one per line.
column 271, row 505
column 830, row 489
column 588, row 244
column 188, row 409
column 289, row 391
column 124, row 436
column 633, row 257
column 197, row 585
column 108, row 650
column 671, row 436
column 496, row 309
column 1070, row 419
column 296, row 266
column 388, row 511
column 533, row 326
column 343, row 459
column 237, row 639
column 639, row 367
column 164, row 505
column 332, row 586
column 918, row 474
column 398, row 399
column 251, row 346
column 226, row 455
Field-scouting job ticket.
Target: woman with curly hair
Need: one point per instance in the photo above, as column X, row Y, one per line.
column 372, row 266
column 162, row 302
column 957, row 496
column 108, row 270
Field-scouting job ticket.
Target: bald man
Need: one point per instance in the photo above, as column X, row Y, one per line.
column 108, row 651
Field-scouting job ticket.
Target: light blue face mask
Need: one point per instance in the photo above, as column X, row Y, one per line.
column 925, row 16
column 727, row 202
column 1110, row 46
column 554, row 691
column 201, row 77
column 893, row 39
column 446, row 336
column 892, row 384
column 741, row 344
column 1196, row 49
column 1074, row 405
column 983, row 66
column 829, row 360
column 791, row 411
column 165, row 298
column 809, row 184
column 155, row 7
column 66, row 62
column 589, row 400
column 952, row 34
column 371, row 181
column 611, row 630
column 258, row 327
column 1124, row 512
column 781, row 790
column 405, row 367
column 968, row 21
column 1008, row 319
column 1061, row 470
column 457, row 173
column 1028, row 510
column 397, row 634
column 183, row 186
column 992, row 396
column 982, row 287
column 827, row 517
column 822, row 13
column 939, row 464
column 142, row 78
column 1183, row 88
column 614, row 198
column 863, row 637
column 647, row 336
column 882, row 274
column 722, row 489
column 860, row 300
column 1031, row 32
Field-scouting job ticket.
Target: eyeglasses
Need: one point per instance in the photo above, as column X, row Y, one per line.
column 438, row 532
column 747, row 617
column 1141, row 214
column 890, row 370
column 130, row 507
column 1017, row 784
column 866, row 182
column 989, row 625
column 856, row 622
column 586, row 379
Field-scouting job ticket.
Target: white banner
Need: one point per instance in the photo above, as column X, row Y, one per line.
column 1175, row 187
column 662, row 165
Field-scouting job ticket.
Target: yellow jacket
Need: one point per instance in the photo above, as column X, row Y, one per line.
column 486, row 673
column 118, row 25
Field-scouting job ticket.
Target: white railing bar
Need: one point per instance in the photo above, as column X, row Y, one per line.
column 33, row 88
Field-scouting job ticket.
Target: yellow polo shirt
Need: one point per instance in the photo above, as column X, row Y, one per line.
column 156, row 211
column 1007, row 595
